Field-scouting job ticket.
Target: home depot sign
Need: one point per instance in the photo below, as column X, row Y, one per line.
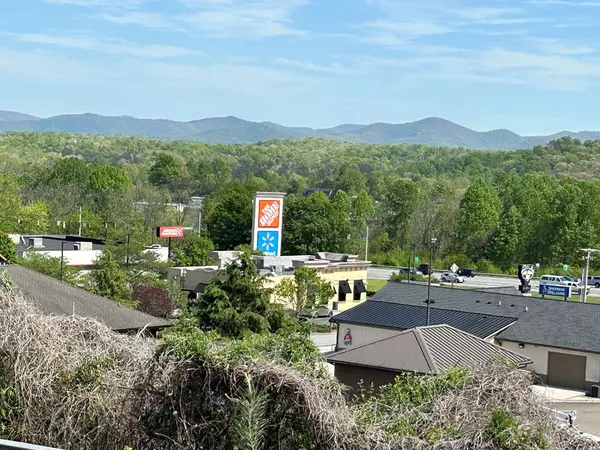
column 266, row 225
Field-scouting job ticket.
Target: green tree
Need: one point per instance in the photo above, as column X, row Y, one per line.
column 229, row 221
column 194, row 251
column 504, row 248
column 34, row 218
column 110, row 280
column 305, row 290
column 478, row 217
column 316, row 224
column 399, row 205
column 361, row 211
column 7, row 248
column 49, row 266
column 167, row 168
column 237, row 302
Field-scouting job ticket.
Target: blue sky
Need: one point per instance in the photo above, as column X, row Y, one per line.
column 532, row 66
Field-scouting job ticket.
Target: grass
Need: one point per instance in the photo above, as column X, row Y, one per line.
column 374, row 285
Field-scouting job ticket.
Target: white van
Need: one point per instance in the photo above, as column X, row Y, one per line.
column 554, row 280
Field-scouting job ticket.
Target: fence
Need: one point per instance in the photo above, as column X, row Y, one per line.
column 11, row 445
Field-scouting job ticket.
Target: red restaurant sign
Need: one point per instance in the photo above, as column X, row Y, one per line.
column 170, row 232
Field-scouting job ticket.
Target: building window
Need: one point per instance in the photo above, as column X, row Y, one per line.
column 359, row 288
column 344, row 288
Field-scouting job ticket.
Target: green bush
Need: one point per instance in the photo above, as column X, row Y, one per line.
column 505, row 430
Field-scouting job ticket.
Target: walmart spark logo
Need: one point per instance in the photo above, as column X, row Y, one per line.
column 268, row 242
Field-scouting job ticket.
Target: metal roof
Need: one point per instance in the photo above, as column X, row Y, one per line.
column 400, row 316
column 427, row 350
column 552, row 323
column 55, row 297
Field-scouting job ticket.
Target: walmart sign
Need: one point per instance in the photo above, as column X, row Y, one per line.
column 559, row 291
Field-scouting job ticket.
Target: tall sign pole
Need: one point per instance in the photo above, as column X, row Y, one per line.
column 267, row 222
column 586, row 270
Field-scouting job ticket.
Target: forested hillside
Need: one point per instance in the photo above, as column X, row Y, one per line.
column 489, row 209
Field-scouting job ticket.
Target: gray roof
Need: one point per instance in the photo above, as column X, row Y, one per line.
column 552, row 323
column 55, row 297
column 427, row 350
column 399, row 316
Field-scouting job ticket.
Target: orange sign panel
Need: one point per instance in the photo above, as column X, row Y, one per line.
column 269, row 213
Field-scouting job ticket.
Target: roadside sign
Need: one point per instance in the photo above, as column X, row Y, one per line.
column 565, row 267
column 174, row 232
column 558, row 291
column 454, row 268
column 417, row 259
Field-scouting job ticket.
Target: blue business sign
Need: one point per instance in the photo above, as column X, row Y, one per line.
column 268, row 242
column 559, row 291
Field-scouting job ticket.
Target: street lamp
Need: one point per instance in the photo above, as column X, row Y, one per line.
column 433, row 242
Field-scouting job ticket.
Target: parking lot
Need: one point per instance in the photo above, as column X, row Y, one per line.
column 587, row 415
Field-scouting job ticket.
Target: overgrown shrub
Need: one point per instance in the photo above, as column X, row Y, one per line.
column 71, row 382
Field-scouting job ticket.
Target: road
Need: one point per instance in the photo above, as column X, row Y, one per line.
column 479, row 281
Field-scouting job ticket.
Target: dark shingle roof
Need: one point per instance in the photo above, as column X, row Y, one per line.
column 400, row 316
column 55, row 297
column 553, row 323
column 427, row 350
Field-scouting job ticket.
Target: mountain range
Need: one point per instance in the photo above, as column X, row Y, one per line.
column 232, row 130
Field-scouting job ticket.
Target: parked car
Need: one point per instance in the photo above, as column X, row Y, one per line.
column 466, row 273
column 425, row 269
column 411, row 271
column 451, row 277
column 318, row 312
column 594, row 281
column 576, row 288
column 555, row 280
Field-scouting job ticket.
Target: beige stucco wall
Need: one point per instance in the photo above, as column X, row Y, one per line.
column 361, row 335
column 195, row 275
column 334, row 277
column 539, row 355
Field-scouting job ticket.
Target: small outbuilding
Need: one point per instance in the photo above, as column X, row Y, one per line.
column 422, row 350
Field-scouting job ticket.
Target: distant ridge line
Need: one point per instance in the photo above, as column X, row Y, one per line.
column 433, row 131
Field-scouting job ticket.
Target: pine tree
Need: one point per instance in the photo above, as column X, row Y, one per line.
column 110, row 280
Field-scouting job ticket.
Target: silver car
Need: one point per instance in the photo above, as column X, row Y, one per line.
column 451, row 277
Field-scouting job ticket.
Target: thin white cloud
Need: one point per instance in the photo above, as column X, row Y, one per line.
column 334, row 68
column 95, row 3
column 144, row 19
column 148, row 75
column 584, row 4
column 106, row 46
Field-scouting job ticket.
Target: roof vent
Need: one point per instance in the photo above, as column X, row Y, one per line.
column 526, row 308
column 489, row 303
column 499, row 302
column 476, row 301
column 513, row 305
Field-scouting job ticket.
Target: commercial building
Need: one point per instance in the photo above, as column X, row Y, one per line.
column 346, row 273
column 76, row 251
column 560, row 337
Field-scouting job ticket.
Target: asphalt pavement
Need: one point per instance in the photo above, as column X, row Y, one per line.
column 479, row 281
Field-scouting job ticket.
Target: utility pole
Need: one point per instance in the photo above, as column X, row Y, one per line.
column 80, row 217
column 433, row 242
column 588, row 255
column 367, row 244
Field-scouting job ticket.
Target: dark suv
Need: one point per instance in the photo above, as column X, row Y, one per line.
column 425, row 269
column 466, row 273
